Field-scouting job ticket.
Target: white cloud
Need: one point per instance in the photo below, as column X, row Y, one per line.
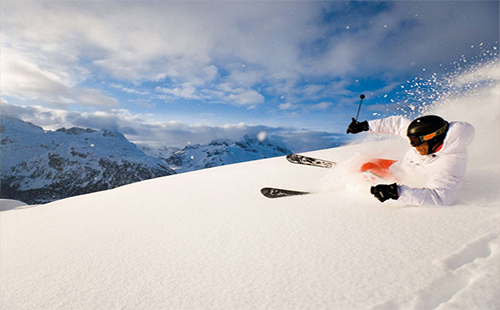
column 129, row 90
column 23, row 78
column 245, row 97
column 186, row 90
column 321, row 106
column 92, row 97
column 287, row 106
column 140, row 130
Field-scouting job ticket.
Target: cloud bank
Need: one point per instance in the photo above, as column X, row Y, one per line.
column 140, row 130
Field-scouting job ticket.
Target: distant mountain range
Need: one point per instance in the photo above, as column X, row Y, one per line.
column 222, row 152
column 38, row 166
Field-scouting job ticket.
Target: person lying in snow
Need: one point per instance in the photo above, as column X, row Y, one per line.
column 438, row 153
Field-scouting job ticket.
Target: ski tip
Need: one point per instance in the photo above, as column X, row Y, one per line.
column 271, row 192
column 266, row 191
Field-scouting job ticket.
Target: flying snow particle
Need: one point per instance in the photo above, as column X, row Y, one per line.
column 262, row 136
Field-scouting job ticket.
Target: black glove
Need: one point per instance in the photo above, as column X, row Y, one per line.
column 385, row 191
column 357, row 127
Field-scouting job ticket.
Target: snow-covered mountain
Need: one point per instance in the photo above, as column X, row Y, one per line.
column 159, row 152
column 223, row 152
column 39, row 166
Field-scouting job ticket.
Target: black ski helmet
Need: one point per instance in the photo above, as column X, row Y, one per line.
column 429, row 128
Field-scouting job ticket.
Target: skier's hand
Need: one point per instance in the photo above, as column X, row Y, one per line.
column 357, row 127
column 385, row 191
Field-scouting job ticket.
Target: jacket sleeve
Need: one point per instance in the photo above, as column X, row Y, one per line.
column 443, row 185
column 395, row 125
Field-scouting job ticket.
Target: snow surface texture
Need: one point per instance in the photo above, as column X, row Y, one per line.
column 209, row 240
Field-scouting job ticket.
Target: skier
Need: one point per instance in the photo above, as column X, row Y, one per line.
column 438, row 155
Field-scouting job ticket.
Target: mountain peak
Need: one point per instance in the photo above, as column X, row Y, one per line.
column 76, row 130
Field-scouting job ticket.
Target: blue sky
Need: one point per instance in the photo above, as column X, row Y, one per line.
column 178, row 72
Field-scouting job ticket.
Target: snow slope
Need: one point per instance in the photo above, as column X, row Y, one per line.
column 208, row 239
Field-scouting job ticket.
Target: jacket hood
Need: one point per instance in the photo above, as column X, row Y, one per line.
column 458, row 138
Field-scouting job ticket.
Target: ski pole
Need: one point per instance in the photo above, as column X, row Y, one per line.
column 360, row 101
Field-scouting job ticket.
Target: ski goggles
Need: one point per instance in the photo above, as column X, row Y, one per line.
column 418, row 140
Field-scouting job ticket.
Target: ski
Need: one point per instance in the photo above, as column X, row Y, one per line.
column 271, row 192
column 310, row 161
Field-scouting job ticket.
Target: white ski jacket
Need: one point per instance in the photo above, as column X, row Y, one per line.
column 441, row 173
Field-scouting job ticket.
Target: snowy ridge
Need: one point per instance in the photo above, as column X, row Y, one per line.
column 159, row 152
column 223, row 152
column 39, row 166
